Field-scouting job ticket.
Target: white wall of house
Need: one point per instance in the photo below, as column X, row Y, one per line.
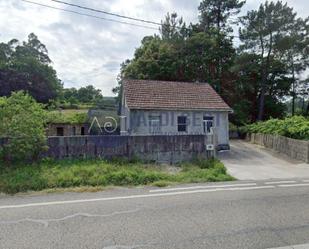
column 147, row 122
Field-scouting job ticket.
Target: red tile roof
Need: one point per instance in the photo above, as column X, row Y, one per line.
column 168, row 95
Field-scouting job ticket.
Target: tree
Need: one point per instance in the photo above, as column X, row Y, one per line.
column 27, row 67
column 262, row 31
column 214, row 20
column 216, row 13
column 191, row 59
column 173, row 28
column 22, row 122
column 294, row 47
column 84, row 95
column 303, row 92
column 244, row 96
column 154, row 59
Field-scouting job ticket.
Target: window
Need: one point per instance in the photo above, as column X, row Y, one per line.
column 60, row 131
column 154, row 124
column 82, row 131
column 208, row 123
column 182, row 123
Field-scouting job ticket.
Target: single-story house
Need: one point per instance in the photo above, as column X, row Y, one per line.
column 152, row 107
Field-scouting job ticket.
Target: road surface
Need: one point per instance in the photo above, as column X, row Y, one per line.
column 247, row 161
column 230, row 215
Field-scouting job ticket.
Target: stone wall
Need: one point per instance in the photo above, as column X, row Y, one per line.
column 67, row 129
column 296, row 149
column 163, row 149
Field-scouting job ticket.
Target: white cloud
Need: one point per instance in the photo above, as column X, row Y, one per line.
column 87, row 50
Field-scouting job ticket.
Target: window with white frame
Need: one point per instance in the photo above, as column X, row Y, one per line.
column 154, row 124
column 208, row 123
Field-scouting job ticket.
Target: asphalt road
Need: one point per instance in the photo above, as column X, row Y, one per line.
column 247, row 161
column 237, row 215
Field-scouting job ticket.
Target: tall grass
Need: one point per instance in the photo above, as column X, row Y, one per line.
column 50, row 174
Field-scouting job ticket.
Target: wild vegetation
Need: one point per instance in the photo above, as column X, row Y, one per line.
column 26, row 66
column 98, row 173
column 22, row 123
column 294, row 127
column 67, row 117
column 259, row 76
column 254, row 77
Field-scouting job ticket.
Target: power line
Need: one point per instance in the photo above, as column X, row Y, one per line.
column 107, row 19
column 106, row 12
column 88, row 15
column 122, row 16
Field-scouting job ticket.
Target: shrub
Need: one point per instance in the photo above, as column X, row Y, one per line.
column 206, row 164
column 294, row 127
column 72, row 118
column 22, row 122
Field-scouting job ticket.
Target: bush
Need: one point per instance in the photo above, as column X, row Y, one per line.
column 22, row 122
column 294, row 127
column 206, row 164
column 68, row 117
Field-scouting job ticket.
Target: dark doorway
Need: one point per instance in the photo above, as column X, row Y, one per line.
column 82, row 131
column 60, row 131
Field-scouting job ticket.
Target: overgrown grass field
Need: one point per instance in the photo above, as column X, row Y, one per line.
column 51, row 174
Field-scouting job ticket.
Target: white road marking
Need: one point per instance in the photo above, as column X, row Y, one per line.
column 294, row 185
column 304, row 246
column 202, row 187
column 279, row 182
column 40, row 204
column 305, row 180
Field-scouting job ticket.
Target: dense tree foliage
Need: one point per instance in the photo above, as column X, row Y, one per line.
column 273, row 33
column 294, row 127
column 255, row 78
column 26, row 66
column 217, row 13
column 182, row 56
column 84, row 95
column 22, row 122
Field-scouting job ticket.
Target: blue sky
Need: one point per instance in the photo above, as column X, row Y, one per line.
column 89, row 51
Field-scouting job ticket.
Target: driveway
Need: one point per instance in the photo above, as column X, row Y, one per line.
column 247, row 161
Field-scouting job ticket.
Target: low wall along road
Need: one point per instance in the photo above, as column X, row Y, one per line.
column 296, row 149
column 167, row 149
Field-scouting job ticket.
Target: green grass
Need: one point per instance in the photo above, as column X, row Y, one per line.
column 80, row 116
column 51, row 174
column 67, row 116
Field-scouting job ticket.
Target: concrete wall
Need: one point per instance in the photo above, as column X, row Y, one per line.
column 296, row 149
column 167, row 149
column 137, row 123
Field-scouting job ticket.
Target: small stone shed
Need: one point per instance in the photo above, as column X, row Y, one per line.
column 66, row 129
